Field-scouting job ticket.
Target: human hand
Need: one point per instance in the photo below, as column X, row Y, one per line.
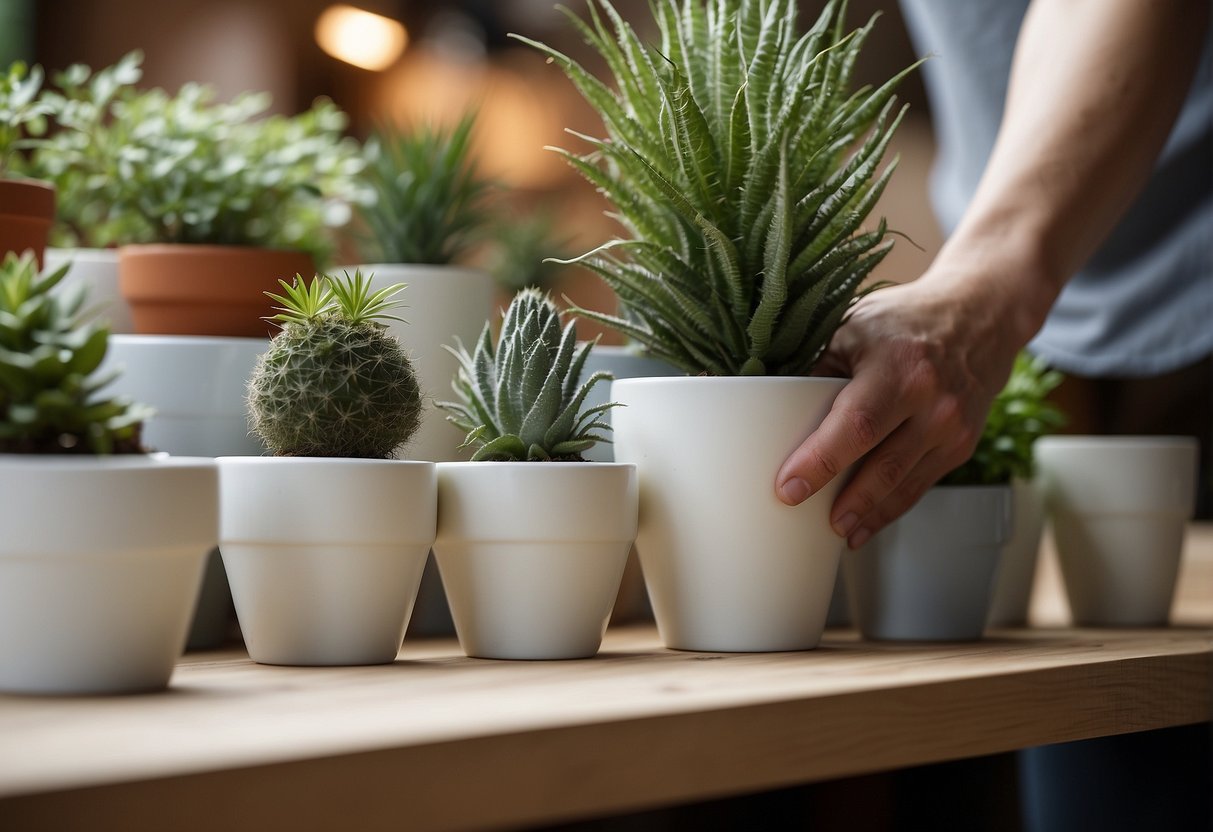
column 926, row 360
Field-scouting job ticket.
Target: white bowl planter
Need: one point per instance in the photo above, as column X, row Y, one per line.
column 928, row 576
column 440, row 304
column 100, row 563
column 97, row 270
column 324, row 555
column 1017, row 567
column 728, row 566
column 1119, row 506
column 531, row 553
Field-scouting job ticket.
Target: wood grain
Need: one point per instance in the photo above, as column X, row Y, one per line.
column 438, row 741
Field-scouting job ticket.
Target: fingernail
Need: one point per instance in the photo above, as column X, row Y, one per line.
column 859, row 538
column 844, row 525
column 795, row 491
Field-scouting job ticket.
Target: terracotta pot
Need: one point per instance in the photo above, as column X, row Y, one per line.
column 205, row 290
column 27, row 210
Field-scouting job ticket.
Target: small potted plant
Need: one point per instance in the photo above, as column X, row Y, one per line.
column 930, row 575
column 741, row 166
column 232, row 201
column 103, row 545
column 428, row 209
column 532, row 540
column 27, row 207
column 324, row 542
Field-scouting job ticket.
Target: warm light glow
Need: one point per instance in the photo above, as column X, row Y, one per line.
column 364, row 39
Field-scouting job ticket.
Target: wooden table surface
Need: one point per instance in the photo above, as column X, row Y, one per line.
column 439, row 741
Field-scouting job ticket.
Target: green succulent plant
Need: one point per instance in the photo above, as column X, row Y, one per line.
column 742, row 166
column 50, row 393
column 1019, row 416
column 201, row 171
column 521, row 399
column 429, row 201
column 23, row 112
column 525, row 252
column 334, row 382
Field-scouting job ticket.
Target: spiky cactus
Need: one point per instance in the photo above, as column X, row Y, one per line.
column 520, row 399
column 334, row 382
column 49, row 390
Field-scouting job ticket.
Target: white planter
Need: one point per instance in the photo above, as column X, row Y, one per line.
column 1119, row 506
column 1017, row 567
column 728, row 566
column 440, row 304
column 100, row 562
column 928, row 576
column 97, row 270
column 531, row 553
column 620, row 362
column 324, row 555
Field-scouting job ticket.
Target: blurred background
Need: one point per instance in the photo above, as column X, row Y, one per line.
column 410, row 62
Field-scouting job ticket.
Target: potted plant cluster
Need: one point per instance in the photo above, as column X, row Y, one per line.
column 532, row 540
column 930, row 575
column 325, row 541
column 27, row 207
column 741, row 165
column 103, row 545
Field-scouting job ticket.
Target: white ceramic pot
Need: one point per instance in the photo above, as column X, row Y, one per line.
column 620, row 362
column 441, row 303
column 324, row 555
column 728, row 566
column 928, row 576
column 97, row 270
column 531, row 553
column 100, row 563
column 1017, row 567
column 1119, row 506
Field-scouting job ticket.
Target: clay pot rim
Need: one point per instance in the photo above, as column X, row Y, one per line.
column 203, row 250
column 27, row 197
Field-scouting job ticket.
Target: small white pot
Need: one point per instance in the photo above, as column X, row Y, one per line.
column 97, row 270
column 100, row 563
column 531, row 553
column 1119, row 507
column 441, row 303
column 928, row 576
column 1017, row 567
column 728, row 566
column 324, row 555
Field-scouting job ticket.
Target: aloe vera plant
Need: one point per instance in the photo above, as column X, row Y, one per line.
column 742, row 167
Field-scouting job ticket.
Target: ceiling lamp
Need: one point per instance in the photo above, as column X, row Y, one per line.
column 364, row 39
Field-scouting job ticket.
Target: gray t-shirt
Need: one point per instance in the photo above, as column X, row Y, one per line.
column 1143, row 305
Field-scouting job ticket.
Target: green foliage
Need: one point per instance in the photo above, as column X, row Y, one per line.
column 22, row 112
column 742, row 167
column 429, row 202
column 79, row 158
column 49, row 354
column 1019, row 416
column 334, row 382
column 520, row 400
column 525, row 252
column 200, row 171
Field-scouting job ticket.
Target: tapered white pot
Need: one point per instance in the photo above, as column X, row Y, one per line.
column 324, row 555
column 531, row 553
column 96, row 269
column 1119, row 507
column 929, row 575
column 728, row 566
column 1017, row 566
column 441, row 303
column 100, row 562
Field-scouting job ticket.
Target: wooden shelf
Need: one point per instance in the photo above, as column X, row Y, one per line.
column 439, row 741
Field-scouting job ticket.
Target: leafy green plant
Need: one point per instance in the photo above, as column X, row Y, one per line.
column 521, row 399
column 50, row 400
column 742, row 166
column 1019, row 416
column 22, row 112
column 201, row 171
column 525, row 252
column 429, row 202
column 334, row 382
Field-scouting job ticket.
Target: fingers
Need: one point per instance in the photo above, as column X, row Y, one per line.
column 883, row 473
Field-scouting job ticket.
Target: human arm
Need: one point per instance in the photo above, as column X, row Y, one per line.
column 1095, row 88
